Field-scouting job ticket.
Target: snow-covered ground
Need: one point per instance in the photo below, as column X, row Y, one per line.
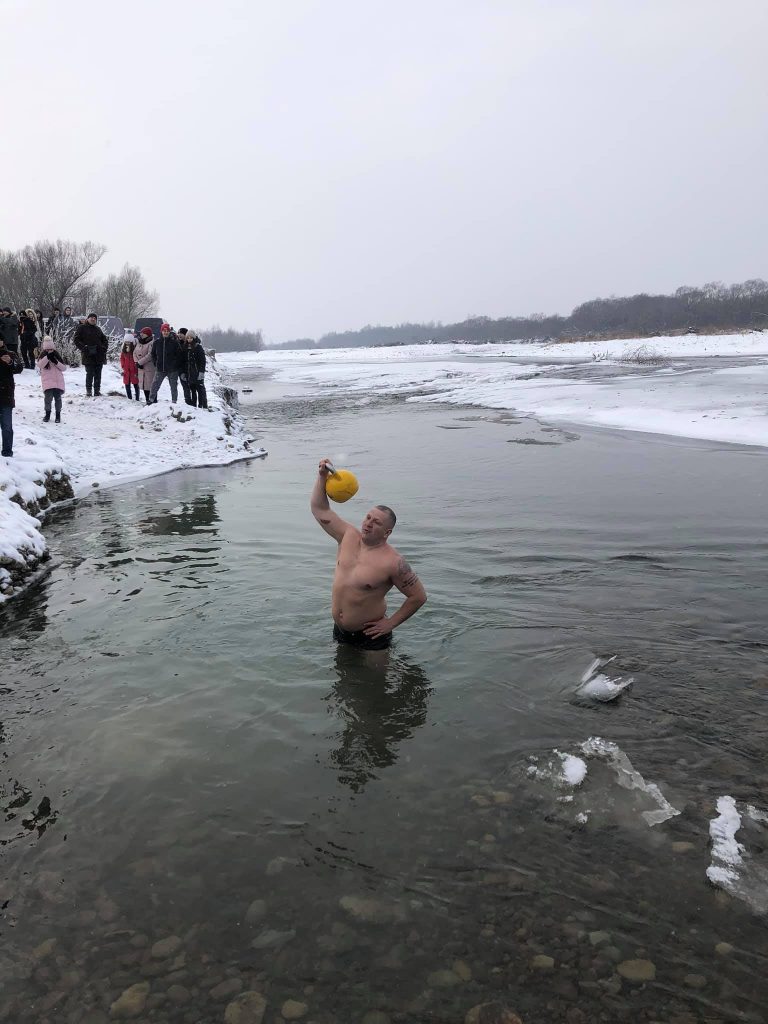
column 679, row 388
column 101, row 442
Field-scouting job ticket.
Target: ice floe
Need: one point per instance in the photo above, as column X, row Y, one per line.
column 732, row 867
column 568, row 772
column 597, row 684
column 628, row 777
column 543, row 380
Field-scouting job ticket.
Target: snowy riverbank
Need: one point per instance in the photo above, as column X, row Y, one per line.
column 709, row 387
column 100, row 442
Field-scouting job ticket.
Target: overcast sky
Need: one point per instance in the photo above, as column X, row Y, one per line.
column 309, row 166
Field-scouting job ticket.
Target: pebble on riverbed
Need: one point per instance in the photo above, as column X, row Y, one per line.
column 542, row 962
column 491, row 1013
column 292, row 1009
column 370, row 910
column 637, row 971
column 131, row 1003
column 247, row 1008
column 164, row 948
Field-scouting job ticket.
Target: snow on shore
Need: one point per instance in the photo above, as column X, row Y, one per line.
column 682, row 392
column 100, row 442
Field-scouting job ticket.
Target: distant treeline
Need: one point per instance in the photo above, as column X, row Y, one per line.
column 711, row 307
column 230, row 340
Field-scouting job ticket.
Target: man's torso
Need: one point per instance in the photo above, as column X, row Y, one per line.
column 362, row 580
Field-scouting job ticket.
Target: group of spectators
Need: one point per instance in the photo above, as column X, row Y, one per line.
column 176, row 355
column 25, row 331
column 145, row 361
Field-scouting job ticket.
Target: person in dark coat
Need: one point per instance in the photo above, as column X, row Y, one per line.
column 9, row 328
column 28, row 337
column 166, row 353
column 91, row 342
column 9, row 365
column 192, row 371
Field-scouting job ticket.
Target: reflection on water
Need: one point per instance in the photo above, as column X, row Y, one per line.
column 203, row 795
column 381, row 701
column 189, row 517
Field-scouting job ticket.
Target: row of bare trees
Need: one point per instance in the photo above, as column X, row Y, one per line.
column 713, row 306
column 48, row 275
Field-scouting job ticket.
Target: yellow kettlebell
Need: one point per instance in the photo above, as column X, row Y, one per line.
column 341, row 485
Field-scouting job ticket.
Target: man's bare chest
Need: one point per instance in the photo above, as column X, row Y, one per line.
column 362, row 571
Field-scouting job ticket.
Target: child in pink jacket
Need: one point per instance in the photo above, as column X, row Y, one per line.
column 51, row 377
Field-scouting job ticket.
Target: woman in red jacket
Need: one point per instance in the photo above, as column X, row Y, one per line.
column 128, row 365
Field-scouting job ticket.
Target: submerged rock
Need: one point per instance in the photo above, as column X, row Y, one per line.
column 491, row 1013
column 44, row 949
column 443, row 979
column 164, row 948
column 542, row 962
column 247, row 1008
column 226, row 989
column 131, row 1003
column 270, row 938
column 462, row 969
column 637, row 971
column 695, row 980
column 372, row 911
column 292, row 1009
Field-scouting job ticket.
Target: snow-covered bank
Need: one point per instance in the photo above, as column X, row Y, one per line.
column 686, row 393
column 100, row 441
column 754, row 343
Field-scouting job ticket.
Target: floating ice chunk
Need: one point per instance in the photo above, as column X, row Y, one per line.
column 732, row 868
column 629, row 778
column 726, row 850
column 597, row 685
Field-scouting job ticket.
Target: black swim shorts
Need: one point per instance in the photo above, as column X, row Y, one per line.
column 361, row 640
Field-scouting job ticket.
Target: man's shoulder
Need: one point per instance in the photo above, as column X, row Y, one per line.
column 394, row 556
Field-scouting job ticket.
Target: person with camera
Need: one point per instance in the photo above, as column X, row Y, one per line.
column 51, row 367
column 91, row 342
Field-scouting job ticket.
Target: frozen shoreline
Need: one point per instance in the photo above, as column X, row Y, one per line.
column 682, row 392
column 100, row 442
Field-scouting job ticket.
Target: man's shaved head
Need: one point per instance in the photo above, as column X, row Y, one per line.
column 390, row 513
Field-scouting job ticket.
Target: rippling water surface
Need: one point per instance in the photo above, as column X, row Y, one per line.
column 185, row 752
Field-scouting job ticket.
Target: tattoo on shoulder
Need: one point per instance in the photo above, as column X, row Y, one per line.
column 405, row 574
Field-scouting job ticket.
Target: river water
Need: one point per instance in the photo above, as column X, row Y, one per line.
column 187, row 756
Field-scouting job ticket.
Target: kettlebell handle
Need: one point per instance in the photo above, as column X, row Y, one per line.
column 331, row 468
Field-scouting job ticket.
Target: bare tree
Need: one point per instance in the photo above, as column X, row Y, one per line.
column 125, row 295
column 44, row 274
column 230, row 340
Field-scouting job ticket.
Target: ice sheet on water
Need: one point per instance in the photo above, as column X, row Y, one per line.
column 732, row 867
column 568, row 773
column 628, row 777
column 701, row 403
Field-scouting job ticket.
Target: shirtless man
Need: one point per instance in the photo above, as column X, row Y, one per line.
column 366, row 570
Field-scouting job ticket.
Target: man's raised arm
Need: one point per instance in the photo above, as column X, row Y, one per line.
column 333, row 524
